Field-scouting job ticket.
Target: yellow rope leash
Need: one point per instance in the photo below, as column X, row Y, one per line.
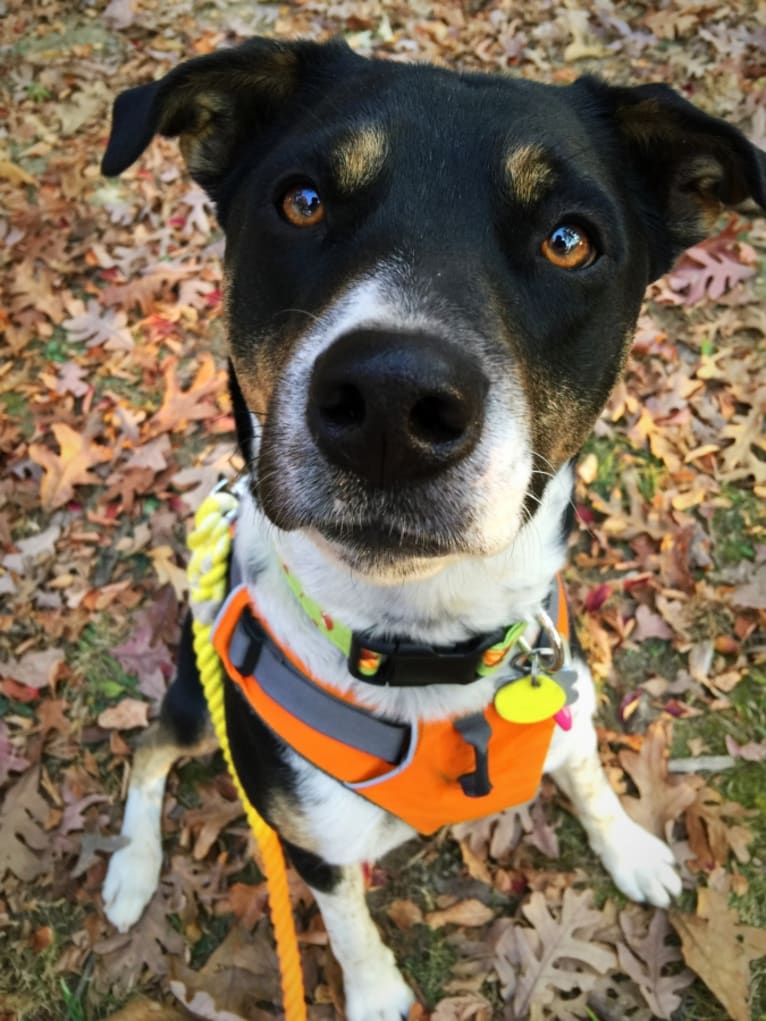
column 210, row 545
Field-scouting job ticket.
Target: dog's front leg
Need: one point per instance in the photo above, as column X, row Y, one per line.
column 374, row 987
column 183, row 729
column 641, row 865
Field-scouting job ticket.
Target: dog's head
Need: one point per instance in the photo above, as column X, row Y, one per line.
column 432, row 278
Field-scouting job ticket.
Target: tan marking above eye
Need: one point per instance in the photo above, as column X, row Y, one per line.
column 302, row 206
column 529, row 173
column 568, row 247
column 358, row 157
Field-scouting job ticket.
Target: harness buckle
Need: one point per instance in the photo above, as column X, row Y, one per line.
column 413, row 665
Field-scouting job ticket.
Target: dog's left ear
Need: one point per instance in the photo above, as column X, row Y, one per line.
column 689, row 165
column 219, row 104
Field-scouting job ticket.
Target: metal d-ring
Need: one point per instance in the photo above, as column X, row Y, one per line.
column 557, row 650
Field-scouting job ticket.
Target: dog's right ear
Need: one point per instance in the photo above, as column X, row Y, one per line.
column 216, row 103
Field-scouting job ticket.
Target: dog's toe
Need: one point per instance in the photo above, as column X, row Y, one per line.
column 641, row 865
column 131, row 880
column 377, row 992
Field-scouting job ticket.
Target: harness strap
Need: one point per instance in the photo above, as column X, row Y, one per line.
column 313, row 705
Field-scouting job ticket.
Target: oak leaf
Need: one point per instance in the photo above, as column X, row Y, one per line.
column 35, row 669
column 646, row 958
column 719, row 949
column 214, row 815
column 10, row 760
column 142, row 1009
column 465, row 912
column 72, row 467
column 179, row 406
column 168, row 571
column 239, row 975
column 22, row 837
column 466, row 1007
column 99, row 328
column 126, row 715
column 662, row 797
column 711, row 268
column 147, row 945
column 556, row 954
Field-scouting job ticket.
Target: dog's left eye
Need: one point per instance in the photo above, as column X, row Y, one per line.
column 568, row 247
column 302, row 206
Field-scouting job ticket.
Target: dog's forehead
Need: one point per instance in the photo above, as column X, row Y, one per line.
column 433, row 123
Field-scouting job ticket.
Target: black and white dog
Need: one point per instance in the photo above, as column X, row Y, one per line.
column 432, row 282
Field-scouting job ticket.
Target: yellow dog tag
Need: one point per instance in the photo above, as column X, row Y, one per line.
column 528, row 700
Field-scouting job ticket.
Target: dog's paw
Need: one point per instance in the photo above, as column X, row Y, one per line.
column 376, row 991
column 131, row 879
column 641, row 865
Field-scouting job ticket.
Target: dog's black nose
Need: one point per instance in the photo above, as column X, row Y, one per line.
column 395, row 407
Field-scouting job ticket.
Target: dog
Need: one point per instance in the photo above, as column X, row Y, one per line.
column 432, row 281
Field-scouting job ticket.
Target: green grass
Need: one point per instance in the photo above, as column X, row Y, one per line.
column 615, row 454
column 91, row 659
column 735, row 529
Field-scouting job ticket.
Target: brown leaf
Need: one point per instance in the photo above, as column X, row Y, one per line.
column 180, row 406
column 126, row 715
column 247, row 903
column 124, row 956
column 645, row 959
column 720, row 949
column 72, row 467
column 404, row 913
column 466, row 912
column 22, row 837
column 210, row 818
column 169, row 573
column 240, row 974
column 142, row 1009
column 714, row 827
column 662, row 797
column 556, row 954
column 35, row 669
column 467, row 1007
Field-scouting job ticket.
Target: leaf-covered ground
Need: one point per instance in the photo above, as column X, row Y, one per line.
column 114, row 423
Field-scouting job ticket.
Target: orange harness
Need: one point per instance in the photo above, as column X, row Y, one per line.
column 423, row 774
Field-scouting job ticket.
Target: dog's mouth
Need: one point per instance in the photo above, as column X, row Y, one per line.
column 381, row 540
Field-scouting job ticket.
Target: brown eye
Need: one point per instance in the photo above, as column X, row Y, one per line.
column 568, row 247
column 301, row 206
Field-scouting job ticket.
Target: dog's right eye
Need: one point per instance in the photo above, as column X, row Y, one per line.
column 302, row 206
column 569, row 247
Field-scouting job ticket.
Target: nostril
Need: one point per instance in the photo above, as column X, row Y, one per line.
column 342, row 405
column 438, row 419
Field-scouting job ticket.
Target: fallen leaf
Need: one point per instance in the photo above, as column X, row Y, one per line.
column 34, row 669
column 467, row 1007
column 23, row 839
column 662, row 797
column 239, row 975
column 404, row 913
column 557, row 953
column 718, row 948
column 142, row 1009
column 72, row 467
column 646, row 957
column 126, row 715
column 465, row 912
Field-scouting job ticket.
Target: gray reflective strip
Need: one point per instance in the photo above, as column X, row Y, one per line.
column 553, row 602
column 318, row 708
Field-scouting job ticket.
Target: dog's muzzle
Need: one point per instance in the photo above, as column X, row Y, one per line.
column 395, row 408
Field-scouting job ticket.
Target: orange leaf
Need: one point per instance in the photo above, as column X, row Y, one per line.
column 465, row 912
column 70, row 468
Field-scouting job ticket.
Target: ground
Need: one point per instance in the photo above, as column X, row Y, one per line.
column 114, row 423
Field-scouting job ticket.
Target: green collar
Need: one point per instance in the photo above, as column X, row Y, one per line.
column 401, row 663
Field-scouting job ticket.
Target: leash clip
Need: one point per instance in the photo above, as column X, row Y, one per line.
column 550, row 657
